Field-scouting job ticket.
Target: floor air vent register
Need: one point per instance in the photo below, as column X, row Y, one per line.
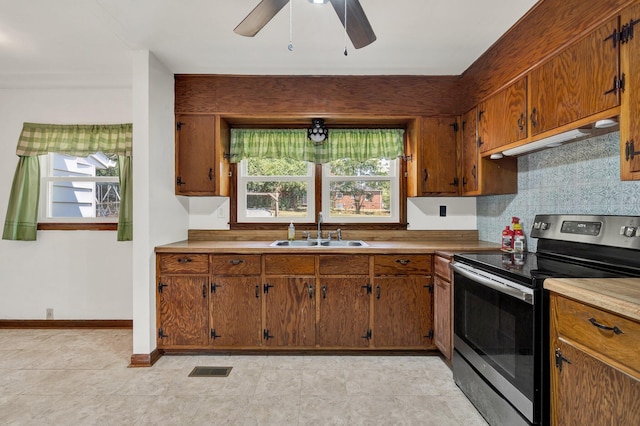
column 210, row 372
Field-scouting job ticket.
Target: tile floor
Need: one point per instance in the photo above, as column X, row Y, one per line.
column 80, row 377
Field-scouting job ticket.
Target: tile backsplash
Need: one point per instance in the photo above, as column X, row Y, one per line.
column 578, row 178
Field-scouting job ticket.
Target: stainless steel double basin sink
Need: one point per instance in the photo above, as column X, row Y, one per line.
column 319, row 243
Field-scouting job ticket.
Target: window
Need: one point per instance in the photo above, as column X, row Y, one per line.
column 79, row 189
column 361, row 191
column 280, row 190
column 276, row 190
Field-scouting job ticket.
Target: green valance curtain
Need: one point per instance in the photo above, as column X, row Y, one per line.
column 357, row 144
column 80, row 140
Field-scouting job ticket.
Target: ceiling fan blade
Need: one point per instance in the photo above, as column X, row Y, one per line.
column 259, row 17
column 358, row 26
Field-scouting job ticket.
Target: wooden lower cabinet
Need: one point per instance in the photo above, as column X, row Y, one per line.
column 183, row 311
column 344, row 312
column 443, row 306
column 595, row 372
column 235, row 311
column 290, row 312
column 294, row 302
column 402, row 312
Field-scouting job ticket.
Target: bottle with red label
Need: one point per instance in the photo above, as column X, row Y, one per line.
column 519, row 241
column 507, row 239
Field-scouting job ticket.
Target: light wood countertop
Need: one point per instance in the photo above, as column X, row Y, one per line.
column 618, row 295
column 375, row 247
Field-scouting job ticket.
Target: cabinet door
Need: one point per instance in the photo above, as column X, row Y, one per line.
column 402, row 312
column 195, row 155
column 438, row 156
column 587, row 391
column 502, row 118
column 630, row 100
column 442, row 315
column 290, row 313
column 344, row 312
column 576, row 83
column 235, row 311
column 469, row 152
column 183, row 311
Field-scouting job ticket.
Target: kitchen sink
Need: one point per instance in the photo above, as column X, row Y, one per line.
column 322, row 243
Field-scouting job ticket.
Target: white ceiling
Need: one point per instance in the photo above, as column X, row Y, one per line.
column 90, row 42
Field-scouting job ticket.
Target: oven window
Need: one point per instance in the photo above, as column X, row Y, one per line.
column 499, row 328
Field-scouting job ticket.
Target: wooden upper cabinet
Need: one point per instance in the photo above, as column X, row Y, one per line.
column 200, row 165
column 630, row 99
column 439, row 172
column 502, row 118
column 576, row 83
column 469, row 147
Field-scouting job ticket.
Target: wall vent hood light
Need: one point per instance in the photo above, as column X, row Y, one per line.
column 552, row 141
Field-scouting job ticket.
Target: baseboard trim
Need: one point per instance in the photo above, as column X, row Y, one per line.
column 144, row 360
column 66, row 323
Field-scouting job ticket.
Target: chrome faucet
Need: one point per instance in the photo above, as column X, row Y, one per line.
column 320, row 225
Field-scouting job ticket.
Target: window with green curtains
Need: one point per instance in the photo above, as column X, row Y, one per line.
column 356, row 144
column 78, row 140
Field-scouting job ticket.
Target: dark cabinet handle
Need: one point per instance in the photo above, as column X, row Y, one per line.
column 534, row 117
column 204, row 291
column 324, row 291
column 521, row 122
column 236, row 261
column 310, row 289
column 210, row 174
column 425, row 173
column 377, row 292
column 474, row 172
column 184, row 260
column 615, row 328
column 403, row 262
column 464, row 180
column 257, row 292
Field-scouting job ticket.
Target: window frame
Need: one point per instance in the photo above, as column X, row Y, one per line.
column 68, row 223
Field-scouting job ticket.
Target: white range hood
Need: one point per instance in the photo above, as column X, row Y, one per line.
column 550, row 142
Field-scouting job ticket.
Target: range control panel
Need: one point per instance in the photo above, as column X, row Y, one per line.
column 615, row 231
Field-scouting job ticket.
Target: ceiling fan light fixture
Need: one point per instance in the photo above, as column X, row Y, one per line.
column 318, row 132
column 319, row 1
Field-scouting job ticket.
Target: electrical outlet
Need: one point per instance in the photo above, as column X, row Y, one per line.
column 49, row 313
column 443, row 211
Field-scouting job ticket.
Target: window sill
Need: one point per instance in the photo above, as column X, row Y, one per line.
column 50, row 226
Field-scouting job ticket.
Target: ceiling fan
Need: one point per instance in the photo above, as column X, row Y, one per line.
column 357, row 26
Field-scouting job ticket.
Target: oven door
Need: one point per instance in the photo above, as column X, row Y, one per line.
column 494, row 330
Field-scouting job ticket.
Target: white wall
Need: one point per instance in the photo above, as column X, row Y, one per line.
column 80, row 274
column 159, row 217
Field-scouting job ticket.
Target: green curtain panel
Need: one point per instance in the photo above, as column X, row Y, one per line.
column 75, row 139
column 357, row 144
column 21, row 222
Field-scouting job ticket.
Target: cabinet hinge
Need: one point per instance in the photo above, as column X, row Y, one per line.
column 630, row 150
column 214, row 287
column 266, row 287
column 429, row 335
column 161, row 334
column 179, row 125
column 214, row 335
column 618, row 84
column 430, row 287
column 368, row 335
column 455, row 126
column 455, row 182
column 369, row 288
column 266, row 335
column 179, row 181
column 560, row 359
column 161, row 286
column 624, row 35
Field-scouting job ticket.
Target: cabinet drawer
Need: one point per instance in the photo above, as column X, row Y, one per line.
column 184, row 263
column 278, row 264
column 235, row 264
column 344, row 265
column 574, row 320
column 441, row 266
column 410, row 264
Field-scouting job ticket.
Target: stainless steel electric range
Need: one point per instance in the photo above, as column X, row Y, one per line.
column 501, row 326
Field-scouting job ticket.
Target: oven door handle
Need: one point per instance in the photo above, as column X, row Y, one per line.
column 493, row 282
